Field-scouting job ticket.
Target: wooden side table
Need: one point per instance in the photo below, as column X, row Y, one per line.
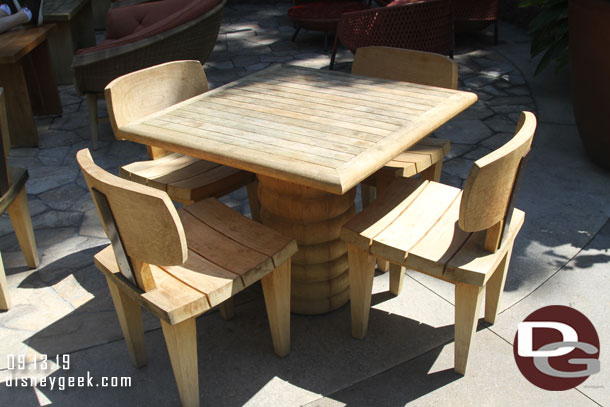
column 74, row 20
column 28, row 82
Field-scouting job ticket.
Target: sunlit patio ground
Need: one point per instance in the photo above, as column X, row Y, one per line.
column 560, row 257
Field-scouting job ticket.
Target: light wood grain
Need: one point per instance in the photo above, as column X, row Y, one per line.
column 181, row 341
column 406, row 65
column 276, row 289
column 418, row 224
column 325, row 130
column 130, row 318
column 226, row 253
column 418, row 67
column 153, row 212
column 467, row 304
column 19, row 213
column 491, row 179
column 361, row 273
column 186, row 179
column 316, row 228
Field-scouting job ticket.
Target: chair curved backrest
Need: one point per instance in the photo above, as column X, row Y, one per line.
column 424, row 26
column 150, row 90
column 407, row 65
column 147, row 222
column 144, row 92
column 489, row 185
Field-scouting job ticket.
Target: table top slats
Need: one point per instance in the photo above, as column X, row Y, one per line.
column 343, row 122
column 295, row 145
column 236, row 120
column 391, row 114
column 301, row 104
column 353, row 95
column 379, row 108
column 255, row 146
column 323, row 129
column 237, row 123
column 313, row 111
column 316, row 176
column 310, row 126
column 423, row 93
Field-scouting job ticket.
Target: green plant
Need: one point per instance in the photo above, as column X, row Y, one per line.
column 550, row 30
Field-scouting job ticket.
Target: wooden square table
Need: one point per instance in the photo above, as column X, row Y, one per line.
column 310, row 136
column 27, row 79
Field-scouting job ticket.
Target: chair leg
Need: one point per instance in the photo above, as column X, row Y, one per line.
column 255, row 205
column 496, row 35
column 130, row 317
column 361, row 273
column 276, row 289
column 227, row 309
column 181, row 341
column 433, row 173
column 92, row 107
column 4, row 301
column 467, row 304
column 334, row 54
column 494, row 289
column 19, row 213
column 296, row 32
column 397, row 276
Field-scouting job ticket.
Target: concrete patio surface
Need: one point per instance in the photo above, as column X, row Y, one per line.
column 561, row 256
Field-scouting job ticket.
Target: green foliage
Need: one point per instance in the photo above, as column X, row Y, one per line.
column 550, row 31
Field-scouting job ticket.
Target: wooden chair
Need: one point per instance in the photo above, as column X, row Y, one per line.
column 426, row 157
column 14, row 199
column 464, row 237
column 185, row 179
column 179, row 264
column 135, row 40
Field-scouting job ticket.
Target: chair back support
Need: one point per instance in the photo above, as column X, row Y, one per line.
column 144, row 92
column 424, row 26
column 407, row 65
column 147, row 221
column 489, row 185
column 4, row 146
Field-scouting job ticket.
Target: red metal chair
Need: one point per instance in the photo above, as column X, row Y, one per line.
column 422, row 26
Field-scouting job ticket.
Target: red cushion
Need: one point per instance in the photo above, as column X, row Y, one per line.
column 325, row 10
column 133, row 23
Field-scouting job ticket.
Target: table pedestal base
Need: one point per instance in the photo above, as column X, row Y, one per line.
column 320, row 281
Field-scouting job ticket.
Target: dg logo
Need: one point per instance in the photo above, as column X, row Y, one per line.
column 556, row 348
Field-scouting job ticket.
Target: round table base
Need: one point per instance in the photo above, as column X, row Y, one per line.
column 320, row 280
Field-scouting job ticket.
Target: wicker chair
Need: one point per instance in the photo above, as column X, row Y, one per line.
column 422, row 26
column 322, row 15
column 475, row 15
column 94, row 68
